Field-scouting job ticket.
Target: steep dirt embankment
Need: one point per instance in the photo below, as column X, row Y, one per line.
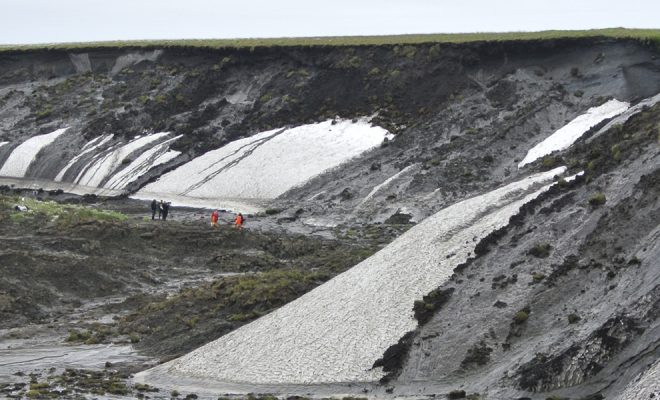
column 463, row 114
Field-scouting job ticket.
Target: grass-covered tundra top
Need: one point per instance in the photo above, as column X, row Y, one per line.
column 616, row 33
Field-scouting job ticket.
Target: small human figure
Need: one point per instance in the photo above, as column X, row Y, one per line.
column 239, row 221
column 154, row 208
column 166, row 210
column 214, row 218
column 160, row 209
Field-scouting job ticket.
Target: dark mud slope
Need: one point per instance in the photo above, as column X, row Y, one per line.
column 566, row 300
column 463, row 114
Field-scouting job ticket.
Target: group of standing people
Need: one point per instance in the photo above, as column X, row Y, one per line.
column 160, row 207
column 163, row 209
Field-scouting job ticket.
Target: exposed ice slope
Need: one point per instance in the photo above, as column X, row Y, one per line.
column 623, row 117
column 337, row 331
column 385, row 184
column 88, row 148
column 22, row 156
column 105, row 166
column 268, row 164
column 566, row 136
column 646, row 386
column 157, row 155
column 3, row 143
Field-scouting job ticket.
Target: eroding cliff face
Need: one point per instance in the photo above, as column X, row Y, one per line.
column 564, row 301
column 554, row 294
column 464, row 115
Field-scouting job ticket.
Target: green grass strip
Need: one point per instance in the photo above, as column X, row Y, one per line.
column 652, row 35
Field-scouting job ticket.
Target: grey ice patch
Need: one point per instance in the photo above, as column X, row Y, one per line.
column 81, row 62
column 240, row 97
column 134, row 58
column 386, row 183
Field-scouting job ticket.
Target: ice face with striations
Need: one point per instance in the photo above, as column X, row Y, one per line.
column 337, row 331
column 105, row 166
column 24, row 154
column 386, row 183
column 268, row 164
column 88, row 148
column 157, row 155
column 566, row 136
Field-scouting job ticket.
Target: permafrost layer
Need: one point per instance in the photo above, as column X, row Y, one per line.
column 157, row 155
column 625, row 116
column 88, row 148
column 336, row 332
column 566, row 136
column 103, row 168
column 22, row 156
column 268, row 164
column 384, row 184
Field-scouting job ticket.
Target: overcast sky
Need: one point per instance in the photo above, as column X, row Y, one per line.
column 50, row 21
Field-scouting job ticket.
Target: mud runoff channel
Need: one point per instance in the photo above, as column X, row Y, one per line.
column 87, row 298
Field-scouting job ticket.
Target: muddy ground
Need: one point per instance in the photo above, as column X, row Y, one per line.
column 73, row 281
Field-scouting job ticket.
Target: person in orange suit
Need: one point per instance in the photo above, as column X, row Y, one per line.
column 214, row 218
column 239, row 221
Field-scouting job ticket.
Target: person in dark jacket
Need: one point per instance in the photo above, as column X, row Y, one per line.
column 166, row 210
column 154, row 208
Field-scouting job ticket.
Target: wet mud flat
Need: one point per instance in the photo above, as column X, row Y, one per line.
column 88, row 299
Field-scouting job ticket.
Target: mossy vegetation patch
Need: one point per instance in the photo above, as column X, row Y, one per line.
column 50, row 211
column 540, row 250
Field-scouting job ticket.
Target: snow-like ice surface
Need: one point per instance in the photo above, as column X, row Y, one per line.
column 101, row 168
column 645, row 386
column 386, row 183
column 573, row 177
column 268, row 164
column 22, row 156
column 337, row 331
column 88, row 148
column 623, row 117
column 3, row 143
column 566, row 136
column 92, row 142
column 320, row 222
column 157, row 155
